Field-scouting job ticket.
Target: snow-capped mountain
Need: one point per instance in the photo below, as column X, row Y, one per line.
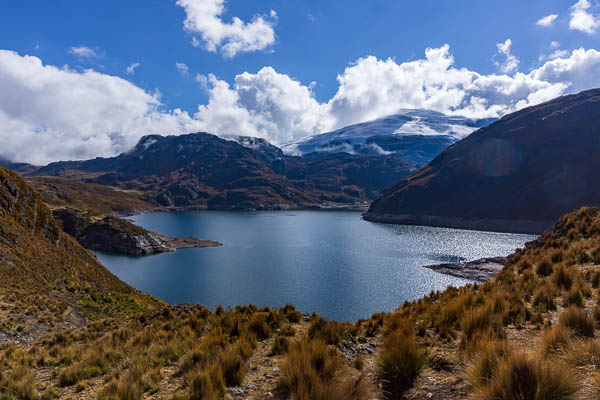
column 414, row 135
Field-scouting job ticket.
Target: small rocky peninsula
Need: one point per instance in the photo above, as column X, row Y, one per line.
column 116, row 235
column 481, row 270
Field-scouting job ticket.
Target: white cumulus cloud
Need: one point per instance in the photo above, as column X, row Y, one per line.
column 582, row 19
column 83, row 52
column 204, row 17
column 511, row 63
column 547, row 20
column 266, row 104
column 50, row 113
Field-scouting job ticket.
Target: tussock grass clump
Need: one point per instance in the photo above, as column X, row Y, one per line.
column 233, row 368
column 521, row 377
column 245, row 346
column 479, row 324
column 577, row 320
column 374, row 324
column 556, row 339
column 524, row 265
column 18, row 384
column 330, row 332
column 490, row 353
column 120, row 390
column 446, row 318
column 287, row 330
column 544, row 268
column 563, row 277
column 93, row 363
column 543, row 297
column 583, row 352
column 202, row 387
column 259, row 326
column 280, row 345
column 312, row 371
column 400, row 361
column 291, row 314
column 574, row 297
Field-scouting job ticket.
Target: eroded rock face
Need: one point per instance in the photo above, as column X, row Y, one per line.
column 104, row 236
column 530, row 167
column 115, row 235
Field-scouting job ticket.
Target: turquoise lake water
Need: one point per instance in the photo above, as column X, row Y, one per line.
column 331, row 262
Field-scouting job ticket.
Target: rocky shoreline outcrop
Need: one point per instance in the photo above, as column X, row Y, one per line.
column 481, row 270
column 116, row 235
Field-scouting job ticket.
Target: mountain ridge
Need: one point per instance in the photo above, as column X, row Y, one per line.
column 518, row 174
column 415, row 135
column 204, row 171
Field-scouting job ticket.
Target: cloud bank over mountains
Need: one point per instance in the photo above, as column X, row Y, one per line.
column 53, row 113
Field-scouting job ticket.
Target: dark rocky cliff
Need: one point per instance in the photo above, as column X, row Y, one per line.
column 518, row 174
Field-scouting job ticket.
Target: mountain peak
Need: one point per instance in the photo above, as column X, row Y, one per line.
column 415, row 135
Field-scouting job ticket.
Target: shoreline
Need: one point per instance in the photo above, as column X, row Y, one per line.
column 311, row 207
column 529, row 227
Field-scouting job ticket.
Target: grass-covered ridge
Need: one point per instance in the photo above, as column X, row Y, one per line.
column 97, row 200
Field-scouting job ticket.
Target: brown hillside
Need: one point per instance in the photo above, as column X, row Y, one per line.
column 92, row 198
column 46, row 277
column 518, row 174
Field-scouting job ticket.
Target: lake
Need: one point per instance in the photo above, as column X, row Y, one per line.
column 331, row 262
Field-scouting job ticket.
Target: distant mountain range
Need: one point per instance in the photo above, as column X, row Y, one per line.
column 415, row 136
column 347, row 167
column 518, row 174
column 201, row 170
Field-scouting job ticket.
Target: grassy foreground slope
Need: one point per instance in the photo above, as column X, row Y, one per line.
column 528, row 334
column 46, row 278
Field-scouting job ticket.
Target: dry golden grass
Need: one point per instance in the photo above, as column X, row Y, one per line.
column 207, row 352
column 311, row 371
column 556, row 339
column 578, row 320
column 400, row 359
column 523, row 377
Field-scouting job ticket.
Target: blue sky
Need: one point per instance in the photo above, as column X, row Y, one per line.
column 313, row 42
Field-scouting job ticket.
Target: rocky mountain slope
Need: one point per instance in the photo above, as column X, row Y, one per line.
column 518, row 174
column 416, row 136
column 204, row 171
column 45, row 275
